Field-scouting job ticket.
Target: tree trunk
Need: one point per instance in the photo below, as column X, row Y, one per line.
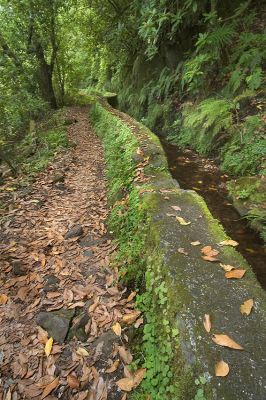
column 45, row 78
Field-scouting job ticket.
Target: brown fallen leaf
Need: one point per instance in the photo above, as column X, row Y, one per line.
column 3, row 299
column 82, row 352
column 246, row 307
column 113, row 367
column 235, row 274
column 49, row 388
column 181, row 250
column 48, row 346
column 226, row 341
column 182, row 221
column 73, row 381
column 196, row 243
column 207, row 322
column 126, row 384
column 139, row 376
column 131, row 317
column 117, row 329
column 221, row 369
column 229, row 242
column 227, row 267
column 209, row 254
column 125, row 355
column 138, row 323
column 176, row 208
column 42, row 335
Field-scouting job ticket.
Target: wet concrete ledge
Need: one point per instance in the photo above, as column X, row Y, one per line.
column 196, row 287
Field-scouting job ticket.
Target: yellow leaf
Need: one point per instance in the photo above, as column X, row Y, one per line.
column 226, row 341
column 3, row 299
column 182, row 221
column 117, row 329
column 207, row 322
column 82, row 352
column 229, row 242
column 221, row 369
column 48, row 346
column 226, row 267
column 235, row 274
column 247, row 306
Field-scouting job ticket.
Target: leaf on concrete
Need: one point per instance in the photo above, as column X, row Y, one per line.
column 207, row 322
column 226, row 341
column 235, row 274
column 176, row 208
column 49, row 388
column 221, row 369
column 196, row 243
column 182, row 221
column 48, row 346
column 117, row 329
column 229, row 242
column 247, row 306
column 209, row 254
column 226, row 267
column 181, row 250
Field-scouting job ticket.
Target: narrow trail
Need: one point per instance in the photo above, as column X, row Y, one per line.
column 55, row 254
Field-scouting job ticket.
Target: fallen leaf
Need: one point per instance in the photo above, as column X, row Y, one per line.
column 125, row 355
column 113, row 367
column 209, row 253
column 235, row 274
column 247, row 306
column 196, row 243
column 229, row 242
column 131, row 317
column 3, row 298
column 42, row 335
column 207, row 322
column 221, row 369
column 117, row 329
column 138, row 376
column 126, row 384
column 82, row 352
column 226, row 341
column 181, row 250
column 49, row 388
column 176, row 208
column 226, row 267
column 138, row 323
column 73, row 381
column 48, row 346
column 182, row 221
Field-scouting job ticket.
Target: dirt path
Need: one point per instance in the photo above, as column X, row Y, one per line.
column 55, row 254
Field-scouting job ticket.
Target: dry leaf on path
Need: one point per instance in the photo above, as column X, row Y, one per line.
column 235, row 274
column 247, row 306
column 226, row 341
column 182, row 221
column 117, row 329
column 181, row 250
column 82, row 352
column 196, row 243
column 3, row 298
column 176, row 208
column 207, row 322
column 131, row 317
column 227, row 267
column 125, row 355
column 49, row 388
column 229, row 242
column 113, row 367
column 126, row 384
column 73, row 381
column 221, row 369
column 209, row 254
column 48, row 346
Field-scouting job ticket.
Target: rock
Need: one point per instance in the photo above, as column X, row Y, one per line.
column 18, row 268
column 58, row 178
column 78, row 328
column 51, row 283
column 89, row 241
column 88, row 253
column 60, row 186
column 56, row 323
column 108, row 339
column 75, row 231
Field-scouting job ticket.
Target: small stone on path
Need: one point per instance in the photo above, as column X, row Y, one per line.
column 56, row 323
column 75, row 231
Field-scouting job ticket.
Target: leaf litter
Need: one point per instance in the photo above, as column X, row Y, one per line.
column 56, row 275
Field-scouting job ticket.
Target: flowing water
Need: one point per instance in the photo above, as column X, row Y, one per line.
column 203, row 176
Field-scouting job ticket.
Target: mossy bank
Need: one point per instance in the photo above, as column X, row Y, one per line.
column 176, row 286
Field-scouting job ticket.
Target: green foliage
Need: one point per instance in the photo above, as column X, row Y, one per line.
column 202, row 123
column 245, row 151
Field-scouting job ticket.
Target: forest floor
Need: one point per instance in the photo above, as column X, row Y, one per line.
column 56, row 282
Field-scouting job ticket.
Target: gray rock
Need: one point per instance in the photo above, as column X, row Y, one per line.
column 88, row 253
column 51, row 279
column 78, row 329
column 75, row 231
column 18, row 268
column 56, row 323
column 88, row 241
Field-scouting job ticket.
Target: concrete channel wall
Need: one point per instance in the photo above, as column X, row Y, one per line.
column 195, row 286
